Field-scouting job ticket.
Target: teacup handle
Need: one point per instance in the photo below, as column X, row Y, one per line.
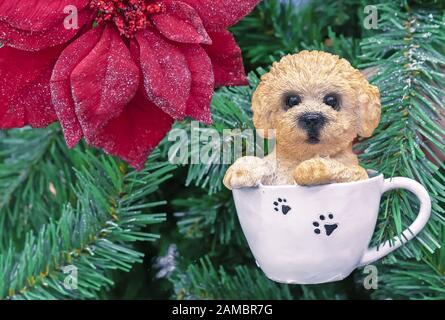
column 379, row 252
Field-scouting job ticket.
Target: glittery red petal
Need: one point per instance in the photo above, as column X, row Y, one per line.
column 24, row 87
column 203, row 83
column 61, row 85
column 36, row 15
column 167, row 79
column 226, row 59
column 181, row 23
column 136, row 132
column 34, row 25
column 103, row 83
column 221, row 14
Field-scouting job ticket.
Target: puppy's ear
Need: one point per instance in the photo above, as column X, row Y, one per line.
column 368, row 73
column 368, row 109
column 261, row 112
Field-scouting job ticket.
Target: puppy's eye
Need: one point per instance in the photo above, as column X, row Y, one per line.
column 332, row 100
column 292, row 101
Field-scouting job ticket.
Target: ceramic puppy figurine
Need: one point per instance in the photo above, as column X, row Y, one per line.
column 317, row 104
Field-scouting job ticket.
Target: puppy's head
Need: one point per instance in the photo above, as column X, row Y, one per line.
column 316, row 102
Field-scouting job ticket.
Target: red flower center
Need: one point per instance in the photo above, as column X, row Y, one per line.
column 129, row 16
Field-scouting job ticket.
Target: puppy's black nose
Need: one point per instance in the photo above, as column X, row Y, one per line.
column 311, row 121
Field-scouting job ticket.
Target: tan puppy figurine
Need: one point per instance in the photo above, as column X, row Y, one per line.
column 317, row 103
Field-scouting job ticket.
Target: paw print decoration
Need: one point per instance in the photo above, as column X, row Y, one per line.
column 325, row 225
column 281, row 205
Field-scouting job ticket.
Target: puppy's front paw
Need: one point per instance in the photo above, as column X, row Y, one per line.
column 312, row 172
column 245, row 172
column 239, row 178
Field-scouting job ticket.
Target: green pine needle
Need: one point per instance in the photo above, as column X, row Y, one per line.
column 94, row 235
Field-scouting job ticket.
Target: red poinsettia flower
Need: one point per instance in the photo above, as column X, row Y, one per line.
column 118, row 72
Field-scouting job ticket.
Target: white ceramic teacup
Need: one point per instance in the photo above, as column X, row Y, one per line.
column 317, row 234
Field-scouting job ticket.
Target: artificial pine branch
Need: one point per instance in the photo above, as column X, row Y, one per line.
column 231, row 110
column 410, row 279
column 95, row 236
column 205, row 281
column 211, row 214
column 210, row 217
column 280, row 27
column 35, row 179
column 408, row 52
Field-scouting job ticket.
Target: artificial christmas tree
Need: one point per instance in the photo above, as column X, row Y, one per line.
column 66, row 212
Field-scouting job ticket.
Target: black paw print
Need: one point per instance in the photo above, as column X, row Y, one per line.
column 329, row 228
column 281, row 205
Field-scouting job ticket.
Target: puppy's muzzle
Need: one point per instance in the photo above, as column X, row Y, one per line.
column 312, row 123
